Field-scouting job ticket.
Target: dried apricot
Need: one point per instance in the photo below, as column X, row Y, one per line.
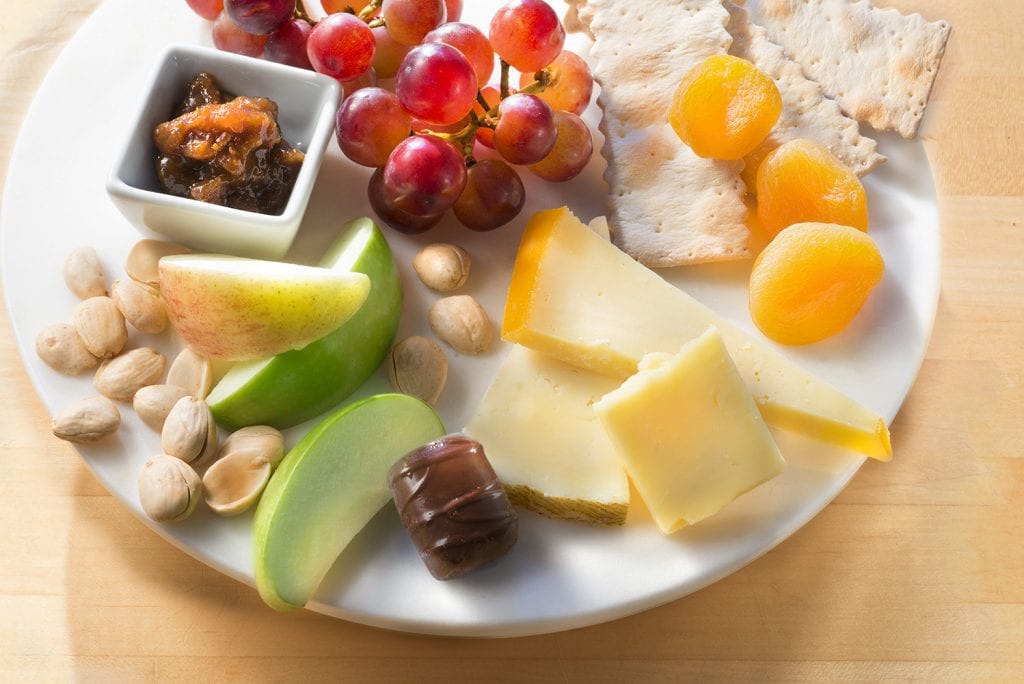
column 811, row 280
column 802, row 181
column 725, row 107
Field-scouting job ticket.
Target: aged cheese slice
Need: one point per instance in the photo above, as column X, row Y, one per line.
column 688, row 433
column 538, row 429
column 575, row 296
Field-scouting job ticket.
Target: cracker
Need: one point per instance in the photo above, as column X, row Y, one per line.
column 577, row 17
column 667, row 206
column 806, row 112
column 878, row 64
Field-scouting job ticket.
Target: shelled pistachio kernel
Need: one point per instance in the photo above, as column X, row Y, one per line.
column 442, row 267
column 88, row 420
column 243, row 467
column 121, row 377
column 169, row 489
column 83, row 273
column 153, row 403
column 189, row 433
column 101, row 326
column 62, row 349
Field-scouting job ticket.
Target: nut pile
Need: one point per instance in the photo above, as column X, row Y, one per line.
column 417, row 365
column 230, row 477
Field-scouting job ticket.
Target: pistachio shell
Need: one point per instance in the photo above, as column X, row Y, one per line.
column 141, row 264
column 442, row 267
column 261, row 440
column 418, row 367
column 191, row 372
column 461, row 322
column 236, row 481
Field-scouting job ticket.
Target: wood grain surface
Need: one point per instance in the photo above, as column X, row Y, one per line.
column 915, row 573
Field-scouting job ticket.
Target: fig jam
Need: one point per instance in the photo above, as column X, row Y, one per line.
column 226, row 150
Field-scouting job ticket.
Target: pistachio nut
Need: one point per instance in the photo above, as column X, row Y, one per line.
column 442, row 267
column 152, row 403
column 243, row 467
column 101, row 326
column 121, row 377
column 83, row 273
column 144, row 257
column 88, row 420
column 190, row 433
column 418, row 367
column 62, row 349
column 192, row 372
column 140, row 305
column 169, row 488
column 461, row 322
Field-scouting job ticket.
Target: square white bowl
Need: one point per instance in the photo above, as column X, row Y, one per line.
column 307, row 103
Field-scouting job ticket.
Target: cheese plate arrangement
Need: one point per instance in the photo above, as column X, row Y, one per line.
column 550, row 312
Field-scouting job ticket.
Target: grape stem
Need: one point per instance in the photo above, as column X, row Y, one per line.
column 504, row 79
column 366, row 14
column 300, row 13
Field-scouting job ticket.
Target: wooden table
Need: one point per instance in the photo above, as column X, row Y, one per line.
column 916, row 571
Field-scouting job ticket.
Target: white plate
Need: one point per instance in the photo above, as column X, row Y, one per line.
column 560, row 575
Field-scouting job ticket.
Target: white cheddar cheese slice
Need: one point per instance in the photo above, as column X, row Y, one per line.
column 688, row 433
column 538, row 429
column 579, row 298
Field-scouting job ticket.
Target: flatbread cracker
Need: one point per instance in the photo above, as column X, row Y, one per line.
column 806, row 112
column 667, row 206
column 878, row 64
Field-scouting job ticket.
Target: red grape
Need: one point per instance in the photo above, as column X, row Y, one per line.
column 409, row 20
column 260, row 17
column 370, row 124
column 526, row 130
column 454, row 9
column 402, row 221
column 572, row 150
column 207, row 9
column 527, row 34
column 341, row 46
column 468, row 40
column 229, row 36
column 571, row 83
column 492, row 96
column 493, row 196
column 389, row 54
column 367, row 79
column 287, row 44
column 424, row 175
column 436, row 83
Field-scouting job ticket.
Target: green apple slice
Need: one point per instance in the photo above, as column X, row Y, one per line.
column 295, row 386
column 327, row 488
column 235, row 309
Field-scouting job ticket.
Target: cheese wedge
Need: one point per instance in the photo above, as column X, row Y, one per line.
column 538, row 429
column 580, row 299
column 688, row 433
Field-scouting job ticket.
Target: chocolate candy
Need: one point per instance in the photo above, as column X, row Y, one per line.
column 452, row 506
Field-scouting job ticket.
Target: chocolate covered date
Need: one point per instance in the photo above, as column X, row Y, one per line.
column 453, row 506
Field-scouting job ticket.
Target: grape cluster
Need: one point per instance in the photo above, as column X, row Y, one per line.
column 421, row 137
